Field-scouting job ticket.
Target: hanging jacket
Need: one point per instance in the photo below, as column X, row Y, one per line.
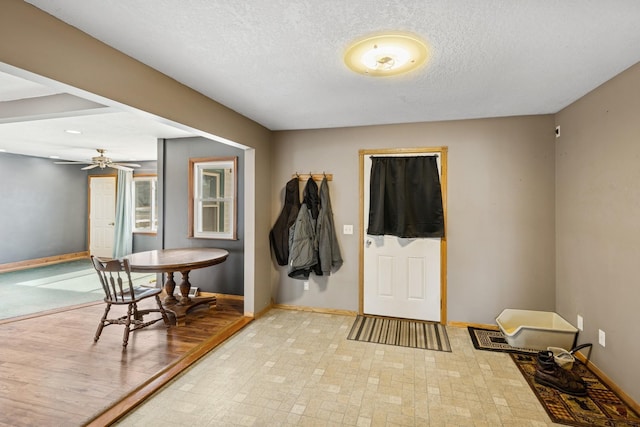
column 279, row 235
column 303, row 244
column 311, row 198
column 329, row 255
column 303, row 255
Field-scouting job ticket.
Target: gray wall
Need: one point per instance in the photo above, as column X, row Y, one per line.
column 227, row 277
column 598, row 223
column 500, row 210
column 43, row 210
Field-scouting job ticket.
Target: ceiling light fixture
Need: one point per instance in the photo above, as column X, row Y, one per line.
column 386, row 54
column 73, row 131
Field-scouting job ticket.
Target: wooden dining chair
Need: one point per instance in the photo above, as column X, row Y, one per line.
column 115, row 277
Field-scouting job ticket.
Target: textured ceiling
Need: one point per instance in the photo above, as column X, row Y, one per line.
column 279, row 62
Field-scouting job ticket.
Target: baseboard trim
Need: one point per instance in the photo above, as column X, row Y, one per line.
column 263, row 311
column 315, row 309
column 229, row 296
column 39, row 262
column 473, row 325
column 605, row 379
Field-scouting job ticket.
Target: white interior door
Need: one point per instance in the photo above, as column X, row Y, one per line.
column 401, row 276
column 102, row 215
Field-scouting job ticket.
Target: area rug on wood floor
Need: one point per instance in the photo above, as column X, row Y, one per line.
column 400, row 332
column 493, row 340
column 601, row 407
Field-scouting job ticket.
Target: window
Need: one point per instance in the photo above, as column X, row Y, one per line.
column 212, row 197
column 145, row 205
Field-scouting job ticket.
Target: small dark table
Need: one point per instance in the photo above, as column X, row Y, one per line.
column 183, row 260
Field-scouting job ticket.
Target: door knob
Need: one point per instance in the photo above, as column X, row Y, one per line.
column 368, row 243
column 112, row 223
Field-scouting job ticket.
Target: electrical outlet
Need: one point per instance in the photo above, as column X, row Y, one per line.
column 347, row 229
column 601, row 337
column 306, row 285
column 580, row 323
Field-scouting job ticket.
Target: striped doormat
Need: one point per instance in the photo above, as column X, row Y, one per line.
column 400, row 332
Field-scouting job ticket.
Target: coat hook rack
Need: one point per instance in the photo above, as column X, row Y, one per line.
column 314, row 176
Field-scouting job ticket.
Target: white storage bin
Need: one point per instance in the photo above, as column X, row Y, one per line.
column 536, row 329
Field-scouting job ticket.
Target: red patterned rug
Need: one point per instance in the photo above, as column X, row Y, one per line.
column 600, row 408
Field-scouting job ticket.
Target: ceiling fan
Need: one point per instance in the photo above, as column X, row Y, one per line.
column 102, row 162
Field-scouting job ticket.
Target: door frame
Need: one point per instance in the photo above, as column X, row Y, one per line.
column 442, row 152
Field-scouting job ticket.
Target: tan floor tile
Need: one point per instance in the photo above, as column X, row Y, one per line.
column 297, row 368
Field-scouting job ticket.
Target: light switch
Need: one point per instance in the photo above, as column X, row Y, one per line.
column 348, row 229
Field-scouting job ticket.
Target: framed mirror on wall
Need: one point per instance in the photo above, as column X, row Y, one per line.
column 213, row 197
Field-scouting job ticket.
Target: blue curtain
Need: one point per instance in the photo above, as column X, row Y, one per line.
column 123, row 239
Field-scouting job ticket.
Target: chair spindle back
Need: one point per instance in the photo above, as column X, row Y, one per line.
column 115, row 277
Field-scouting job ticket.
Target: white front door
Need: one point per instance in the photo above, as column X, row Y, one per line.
column 102, row 215
column 401, row 276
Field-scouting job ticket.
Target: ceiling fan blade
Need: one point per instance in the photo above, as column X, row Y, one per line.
column 135, row 165
column 72, row 163
column 89, row 167
column 117, row 166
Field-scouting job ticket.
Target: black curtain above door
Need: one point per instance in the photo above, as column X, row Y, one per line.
column 405, row 197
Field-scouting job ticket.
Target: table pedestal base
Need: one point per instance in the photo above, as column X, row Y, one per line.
column 179, row 311
column 178, row 307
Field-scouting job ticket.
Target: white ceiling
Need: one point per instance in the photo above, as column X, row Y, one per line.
column 34, row 120
column 279, row 62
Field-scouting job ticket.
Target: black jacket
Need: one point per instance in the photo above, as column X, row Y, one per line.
column 279, row 235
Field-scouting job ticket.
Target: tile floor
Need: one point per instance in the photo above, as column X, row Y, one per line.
column 298, row 368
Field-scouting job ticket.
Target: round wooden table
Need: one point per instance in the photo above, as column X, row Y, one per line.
column 181, row 260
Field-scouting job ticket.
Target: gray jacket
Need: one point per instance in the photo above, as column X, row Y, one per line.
column 328, row 249
column 302, row 245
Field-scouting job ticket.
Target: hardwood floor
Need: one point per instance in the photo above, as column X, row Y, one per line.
column 52, row 373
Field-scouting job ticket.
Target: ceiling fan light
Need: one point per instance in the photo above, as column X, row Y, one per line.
column 102, row 162
column 385, row 57
column 386, row 54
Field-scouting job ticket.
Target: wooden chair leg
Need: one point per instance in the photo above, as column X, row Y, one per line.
column 136, row 314
column 165, row 318
column 127, row 326
column 101, row 325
